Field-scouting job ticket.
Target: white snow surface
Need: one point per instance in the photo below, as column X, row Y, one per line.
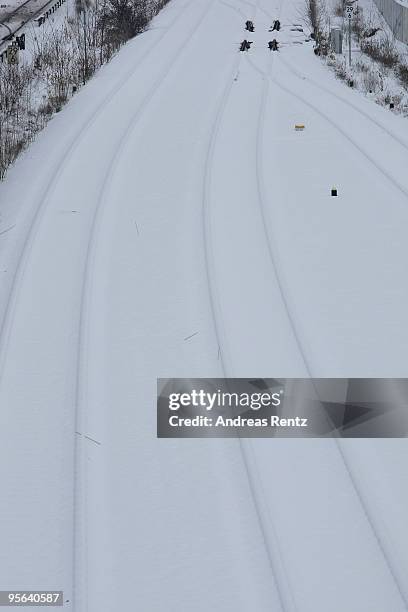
column 173, row 196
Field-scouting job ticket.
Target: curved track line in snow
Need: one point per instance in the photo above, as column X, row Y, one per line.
column 250, row 471
column 87, row 291
column 338, row 443
column 80, row 603
column 266, row 76
column 260, row 8
column 217, row 311
column 287, row 594
column 43, row 200
column 361, row 112
column 84, row 314
column 234, row 8
column 262, row 199
column 383, row 542
column 267, row 529
column 296, row 72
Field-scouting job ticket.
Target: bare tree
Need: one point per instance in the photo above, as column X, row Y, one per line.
column 63, row 57
column 81, row 9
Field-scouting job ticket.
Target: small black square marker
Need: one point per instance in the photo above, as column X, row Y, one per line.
column 334, row 192
column 391, row 105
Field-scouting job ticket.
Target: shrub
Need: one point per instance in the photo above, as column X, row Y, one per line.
column 402, row 73
column 341, row 72
column 371, row 82
column 383, row 51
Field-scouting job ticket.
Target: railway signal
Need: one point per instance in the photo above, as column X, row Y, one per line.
column 20, row 40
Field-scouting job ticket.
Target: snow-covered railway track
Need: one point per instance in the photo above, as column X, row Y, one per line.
column 309, row 80
column 285, row 598
column 149, row 230
column 386, row 130
column 227, row 361
column 18, row 274
column 43, row 200
column 377, row 533
column 268, row 77
column 387, row 174
column 83, row 352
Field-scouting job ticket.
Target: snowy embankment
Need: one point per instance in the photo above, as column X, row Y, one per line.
column 57, row 56
column 379, row 65
column 171, row 222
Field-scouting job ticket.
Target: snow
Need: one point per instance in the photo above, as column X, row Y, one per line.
column 378, row 82
column 173, row 196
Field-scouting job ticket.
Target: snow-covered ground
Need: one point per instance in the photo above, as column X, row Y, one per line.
column 376, row 80
column 173, row 196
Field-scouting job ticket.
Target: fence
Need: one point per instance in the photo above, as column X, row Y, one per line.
column 395, row 13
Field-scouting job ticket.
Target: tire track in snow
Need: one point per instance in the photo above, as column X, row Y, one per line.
column 268, row 76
